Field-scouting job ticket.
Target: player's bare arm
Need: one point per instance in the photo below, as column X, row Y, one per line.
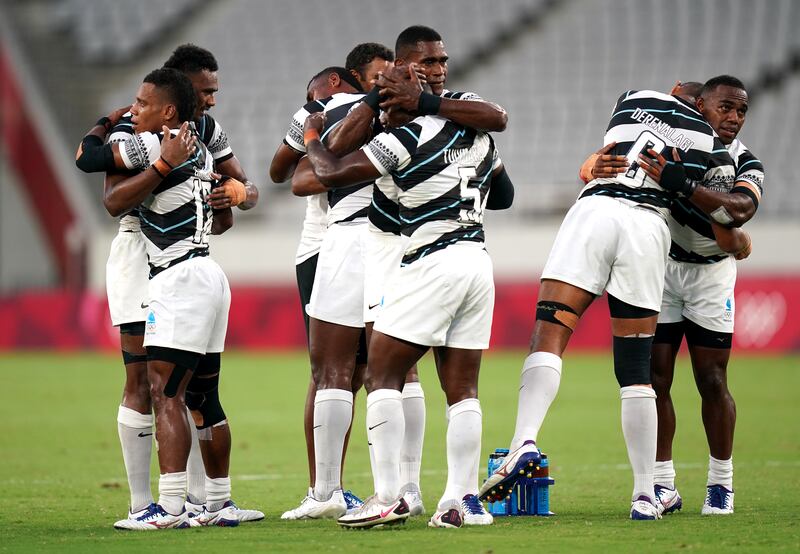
column 237, row 191
column 283, row 164
column 304, row 182
column 400, row 87
column 733, row 240
column 123, row 192
column 331, row 170
column 602, row 165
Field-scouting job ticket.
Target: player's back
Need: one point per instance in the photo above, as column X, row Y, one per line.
column 441, row 171
column 648, row 119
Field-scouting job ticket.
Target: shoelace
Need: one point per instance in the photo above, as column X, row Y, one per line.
column 351, row 500
column 153, row 510
column 472, row 505
column 717, row 498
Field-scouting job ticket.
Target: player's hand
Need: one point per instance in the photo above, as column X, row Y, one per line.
column 747, row 250
column 608, row 165
column 396, row 117
column 314, row 122
column 176, row 149
column 227, row 193
column 400, row 87
column 116, row 115
column 654, row 165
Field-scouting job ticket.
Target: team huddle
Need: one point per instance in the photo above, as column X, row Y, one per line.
column 398, row 172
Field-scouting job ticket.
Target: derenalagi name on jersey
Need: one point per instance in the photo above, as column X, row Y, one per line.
column 175, row 219
column 441, row 171
column 648, row 119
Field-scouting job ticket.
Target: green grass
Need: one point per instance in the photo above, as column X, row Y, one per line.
column 62, row 481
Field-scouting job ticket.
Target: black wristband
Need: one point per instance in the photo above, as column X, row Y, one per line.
column 429, row 103
column 373, row 99
column 674, row 179
column 103, row 122
column 166, row 162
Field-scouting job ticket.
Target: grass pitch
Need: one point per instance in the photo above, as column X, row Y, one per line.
column 62, row 481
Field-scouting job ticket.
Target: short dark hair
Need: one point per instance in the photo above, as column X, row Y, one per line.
column 343, row 74
column 178, row 88
column 190, row 58
column 409, row 38
column 360, row 56
column 722, row 81
column 692, row 88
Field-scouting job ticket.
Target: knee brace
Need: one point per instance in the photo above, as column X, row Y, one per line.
column 184, row 361
column 558, row 313
column 202, row 394
column 632, row 360
column 700, row 336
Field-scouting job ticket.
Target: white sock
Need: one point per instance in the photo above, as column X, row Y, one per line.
column 640, row 428
column 218, row 492
column 720, row 472
column 463, row 451
column 414, row 414
column 541, row 376
column 195, row 470
column 172, row 492
column 136, row 437
column 664, row 474
column 385, row 427
column 333, row 411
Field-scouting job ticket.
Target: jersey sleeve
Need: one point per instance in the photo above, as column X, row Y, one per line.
column 294, row 136
column 749, row 177
column 140, row 151
column 391, row 150
column 462, row 96
column 218, row 144
column 122, row 130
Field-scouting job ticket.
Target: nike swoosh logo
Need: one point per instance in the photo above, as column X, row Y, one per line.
column 378, row 425
column 374, row 306
column 145, row 434
column 389, row 511
column 317, row 426
column 145, row 305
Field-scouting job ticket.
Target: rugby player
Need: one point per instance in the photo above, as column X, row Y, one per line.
column 698, row 299
column 126, row 275
column 616, row 239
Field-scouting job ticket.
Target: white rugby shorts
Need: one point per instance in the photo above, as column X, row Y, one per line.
column 383, row 253
column 188, row 307
column 609, row 245
column 443, row 299
column 338, row 292
column 701, row 293
column 127, row 278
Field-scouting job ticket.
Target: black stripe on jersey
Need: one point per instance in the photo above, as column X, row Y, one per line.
column 429, row 159
column 317, row 105
column 332, row 118
column 453, row 95
column 196, row 253
column 680, row 255
column 340, row 193
column 651, row 197
column 464, row 234
column 166, row 229
column 124, row 125
column 748, row 162
column 686, row 214
column 205, row 128
column 383, row 213
column 688, row 116
column 355, row 215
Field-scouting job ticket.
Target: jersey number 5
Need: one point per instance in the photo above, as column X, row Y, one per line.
column 474, row 214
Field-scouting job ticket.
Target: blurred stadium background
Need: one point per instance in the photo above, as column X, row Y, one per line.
column 557, row 66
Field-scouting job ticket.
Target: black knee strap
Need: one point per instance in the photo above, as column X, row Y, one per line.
column 183, row 359
column 623, row 310
column 128, row 358
column 558, row 313
column 202, row 397
column 669, row 333
column 632, row 360
column 706, row 338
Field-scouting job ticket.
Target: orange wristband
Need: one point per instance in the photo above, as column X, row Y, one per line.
column 162, row 167
column 311, row 134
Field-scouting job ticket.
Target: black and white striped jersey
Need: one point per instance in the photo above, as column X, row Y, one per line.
column 175, row 219
column 294, row 136
column 692, row 238
column 384, row 212
column 649, row 119
column 441, row 172
column 210, row 133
